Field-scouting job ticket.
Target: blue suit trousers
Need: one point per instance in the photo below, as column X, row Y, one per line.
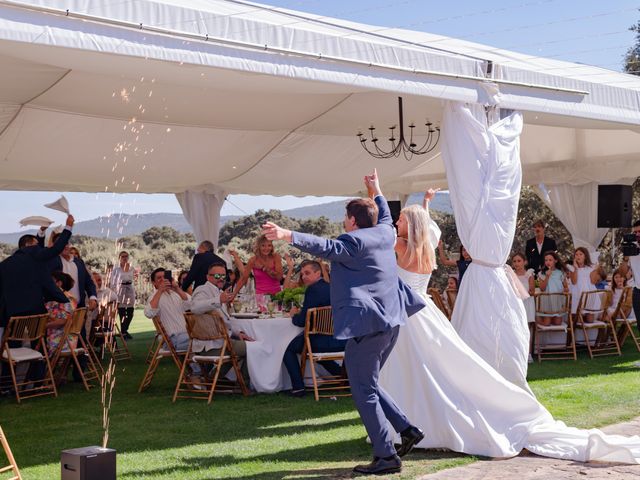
column 364, row 357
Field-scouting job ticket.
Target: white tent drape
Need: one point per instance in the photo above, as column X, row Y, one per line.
column 202, row 211
column 576, row 207
column 484, row 175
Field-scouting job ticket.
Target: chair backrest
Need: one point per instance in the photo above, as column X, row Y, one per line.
column 107, row 316
column 27, row 328
column 77, row 321
column 452, row 295
column 165, row 338
column 206, row 326
column 625, row 304
column 594, row 302
column 437, row 299
column 319, row 321
column 553, row 304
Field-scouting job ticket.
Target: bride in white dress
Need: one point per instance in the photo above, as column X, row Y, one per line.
column 457, row 398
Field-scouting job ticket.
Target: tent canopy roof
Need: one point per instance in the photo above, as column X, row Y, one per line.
column 168, row 96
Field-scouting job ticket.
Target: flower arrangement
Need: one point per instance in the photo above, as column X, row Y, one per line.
column 290, row 296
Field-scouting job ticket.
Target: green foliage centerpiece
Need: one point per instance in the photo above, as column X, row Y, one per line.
column 290, row 296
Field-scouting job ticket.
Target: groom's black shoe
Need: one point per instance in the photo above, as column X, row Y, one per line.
column 410, row 436
column 380, row 466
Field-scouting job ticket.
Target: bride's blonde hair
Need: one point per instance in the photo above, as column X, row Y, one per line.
column 419, row 248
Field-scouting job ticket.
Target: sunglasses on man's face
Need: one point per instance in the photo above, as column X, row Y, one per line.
column 217, row 276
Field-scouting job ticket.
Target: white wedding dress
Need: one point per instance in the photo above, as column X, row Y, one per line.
column 464, row 405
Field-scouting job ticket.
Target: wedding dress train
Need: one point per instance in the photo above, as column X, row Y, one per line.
column 464, row 405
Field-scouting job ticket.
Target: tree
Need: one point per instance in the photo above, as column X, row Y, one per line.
column 632, row 57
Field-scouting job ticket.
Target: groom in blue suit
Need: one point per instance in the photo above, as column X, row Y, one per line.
column 369, row 303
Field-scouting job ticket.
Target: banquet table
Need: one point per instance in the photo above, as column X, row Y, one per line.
column 264, row 356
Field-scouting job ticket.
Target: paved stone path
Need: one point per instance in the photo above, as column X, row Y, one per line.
column 532, row 467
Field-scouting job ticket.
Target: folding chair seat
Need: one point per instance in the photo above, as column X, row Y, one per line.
column 554, row 342
column 319, row 321
column 12, row 461
column 436, row 296
column 594, row 304
column 208, row 327
column 67, row 353
column 31, row 331
column 108, row 333
column 161, row 349
column 625, row 326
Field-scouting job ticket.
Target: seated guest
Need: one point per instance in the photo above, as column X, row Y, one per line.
column 316, row 295
column 198, row 272
column 211, row 296
column 169, row 302
column 104, row 295
column 60, row 313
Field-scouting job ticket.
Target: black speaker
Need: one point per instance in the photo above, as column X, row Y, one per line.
column 395, row 206
column 614, row 206
column 89, row 463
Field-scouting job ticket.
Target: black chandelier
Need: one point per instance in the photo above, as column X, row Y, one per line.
column 408, row 149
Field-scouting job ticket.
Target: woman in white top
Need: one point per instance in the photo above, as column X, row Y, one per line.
column 459, row 400
column 583, row 275
column 121, row 282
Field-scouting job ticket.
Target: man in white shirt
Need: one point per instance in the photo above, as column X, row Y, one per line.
column 104, row 295
column 211, row 296
column 169, row 303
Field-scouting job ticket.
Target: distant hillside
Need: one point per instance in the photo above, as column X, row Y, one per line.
column 121, row 225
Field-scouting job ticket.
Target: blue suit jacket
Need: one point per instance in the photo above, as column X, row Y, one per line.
column 316, row 295
column 366, row 294
column 25, row 281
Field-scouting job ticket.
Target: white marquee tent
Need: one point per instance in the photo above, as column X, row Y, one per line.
column 205, row 98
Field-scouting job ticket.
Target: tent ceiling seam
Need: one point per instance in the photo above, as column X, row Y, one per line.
column 206, row 38
column 22, row 105
column 287, row 135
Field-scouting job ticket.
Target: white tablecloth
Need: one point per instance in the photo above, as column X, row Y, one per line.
column 264, row 356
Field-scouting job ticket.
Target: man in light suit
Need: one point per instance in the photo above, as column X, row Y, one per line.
column 369, row 303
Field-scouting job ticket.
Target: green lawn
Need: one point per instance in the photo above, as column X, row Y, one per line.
column 267, row 436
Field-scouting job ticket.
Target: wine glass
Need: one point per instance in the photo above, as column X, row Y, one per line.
column 271, row 307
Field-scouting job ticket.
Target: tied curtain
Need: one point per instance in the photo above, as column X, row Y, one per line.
column 202, row 211
column 482, row 162
column 576, row 207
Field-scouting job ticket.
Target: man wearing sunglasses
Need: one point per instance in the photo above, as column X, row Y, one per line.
column 212, row 296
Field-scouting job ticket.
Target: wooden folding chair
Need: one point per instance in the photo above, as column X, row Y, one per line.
column 437, row 299
column 163, row 349
column 207, row 327
column 28, row 330
column 625, row 326
column 152, row 348
column 452, row 295
column 66, row 353
column 107, row 330
column 12, row 461
column 319, row 321
column 591, row 315
column 554, row 342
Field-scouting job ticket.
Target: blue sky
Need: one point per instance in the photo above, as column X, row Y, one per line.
column 585, row 31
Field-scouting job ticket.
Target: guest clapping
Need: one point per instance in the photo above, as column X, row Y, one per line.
column 464, row 260
column 266, row 266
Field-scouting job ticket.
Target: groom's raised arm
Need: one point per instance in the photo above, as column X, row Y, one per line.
column 384, row 212
column 343, row 248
